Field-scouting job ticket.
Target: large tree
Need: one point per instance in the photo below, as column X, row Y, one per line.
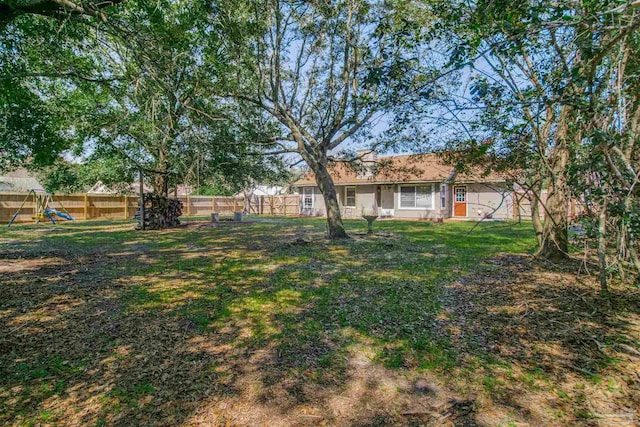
column 62, row 9
column 539, row 73
column 136, row 88
column 324, row 71
column 605, row 168
column 164, row 114
column 47, row 74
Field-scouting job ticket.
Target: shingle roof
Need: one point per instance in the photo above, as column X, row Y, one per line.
column 400, row 169
column 19, row 181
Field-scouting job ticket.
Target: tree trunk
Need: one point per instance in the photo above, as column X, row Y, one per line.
column 538, row 226
column 555, row 233
column 161, row 178
column 328, row 190
column 602, row 245
column 334, row 218
column 161, row 184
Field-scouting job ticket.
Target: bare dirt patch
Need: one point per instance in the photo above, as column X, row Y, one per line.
column 20, row 265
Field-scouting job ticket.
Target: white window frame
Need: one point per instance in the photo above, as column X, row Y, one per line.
column 443, row 196
column 433, row 197
column 308, row 191
column 355, row 195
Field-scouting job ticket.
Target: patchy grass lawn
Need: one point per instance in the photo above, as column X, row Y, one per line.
column 268, row 323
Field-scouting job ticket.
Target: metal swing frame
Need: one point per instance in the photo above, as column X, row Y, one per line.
column 41, row 209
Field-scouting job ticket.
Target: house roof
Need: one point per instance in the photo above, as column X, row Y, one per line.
column 19, row 181
column 263, row 190
column 127, row 188
column 412, row 168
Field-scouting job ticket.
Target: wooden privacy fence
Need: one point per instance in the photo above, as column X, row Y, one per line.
column 110, row 206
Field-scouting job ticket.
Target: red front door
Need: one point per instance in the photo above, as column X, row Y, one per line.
column 460, row 201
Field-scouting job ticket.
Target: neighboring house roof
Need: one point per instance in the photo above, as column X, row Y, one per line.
column 410, row 168
column 264, row 190
column 133, row 188
column 19, row 181
column 181, row 190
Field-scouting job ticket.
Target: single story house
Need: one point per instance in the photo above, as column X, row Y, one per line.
column 134, row 188
column 410, row 186
column 19, row 181
column 262, row 190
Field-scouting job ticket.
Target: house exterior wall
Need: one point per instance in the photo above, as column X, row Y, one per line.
column 448, row 210
column 419, row 213
column 489, row 199
column 482, row 200
column 319, row 208
column 525, row 206
column 365, row 200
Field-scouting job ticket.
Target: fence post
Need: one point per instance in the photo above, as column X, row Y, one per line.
column 141, row 199
column 271, row 202
column 86, row 206
column 235, row 204
column 188, row 205
column 126, row 207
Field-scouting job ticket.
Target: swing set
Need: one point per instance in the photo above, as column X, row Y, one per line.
column 42, row 208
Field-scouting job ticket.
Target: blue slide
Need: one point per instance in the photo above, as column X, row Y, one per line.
column 60, row 214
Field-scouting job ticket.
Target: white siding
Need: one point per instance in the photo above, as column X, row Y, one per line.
column 482, row 200
column 365, row 200
column 489, row 199
column 319, row 208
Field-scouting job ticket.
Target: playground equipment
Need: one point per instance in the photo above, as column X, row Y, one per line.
column 42, row 208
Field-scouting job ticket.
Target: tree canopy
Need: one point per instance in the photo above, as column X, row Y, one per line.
column 139, row 88
column 545, row 93
column 553, row 100
column 324, row 72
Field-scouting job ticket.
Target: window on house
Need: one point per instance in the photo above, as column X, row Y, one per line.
column 350, row 197
column 416, row 196
column 443, row 196
column 307, row 198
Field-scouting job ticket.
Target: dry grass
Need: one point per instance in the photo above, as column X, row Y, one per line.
column 544, row 346
column 268, row 323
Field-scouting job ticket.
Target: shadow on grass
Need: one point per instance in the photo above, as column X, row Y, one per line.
column 106, row 326
column 545, row 344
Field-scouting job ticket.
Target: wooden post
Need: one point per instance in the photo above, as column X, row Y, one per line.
column 86, row 207
column 188, row 205
column 235, row 204
column 126, row 207
column 271, row 205
column 141, row 199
